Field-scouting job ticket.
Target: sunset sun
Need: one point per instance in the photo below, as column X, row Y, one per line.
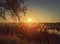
column 29, row 20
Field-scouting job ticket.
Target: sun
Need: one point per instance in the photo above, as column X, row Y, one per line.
column 29, row 20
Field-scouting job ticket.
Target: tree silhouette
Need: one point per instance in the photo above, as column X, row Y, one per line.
column 14, row 6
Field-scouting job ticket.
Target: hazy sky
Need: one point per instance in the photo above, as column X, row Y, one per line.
column 43, row 10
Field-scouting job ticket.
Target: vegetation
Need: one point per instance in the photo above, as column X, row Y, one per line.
column 21, row 33
column 15, row 7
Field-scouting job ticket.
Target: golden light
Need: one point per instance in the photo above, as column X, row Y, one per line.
column 29, row 20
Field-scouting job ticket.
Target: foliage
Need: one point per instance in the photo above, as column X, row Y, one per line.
column 14, row 6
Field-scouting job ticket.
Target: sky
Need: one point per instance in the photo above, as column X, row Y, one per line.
column 43, row 11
